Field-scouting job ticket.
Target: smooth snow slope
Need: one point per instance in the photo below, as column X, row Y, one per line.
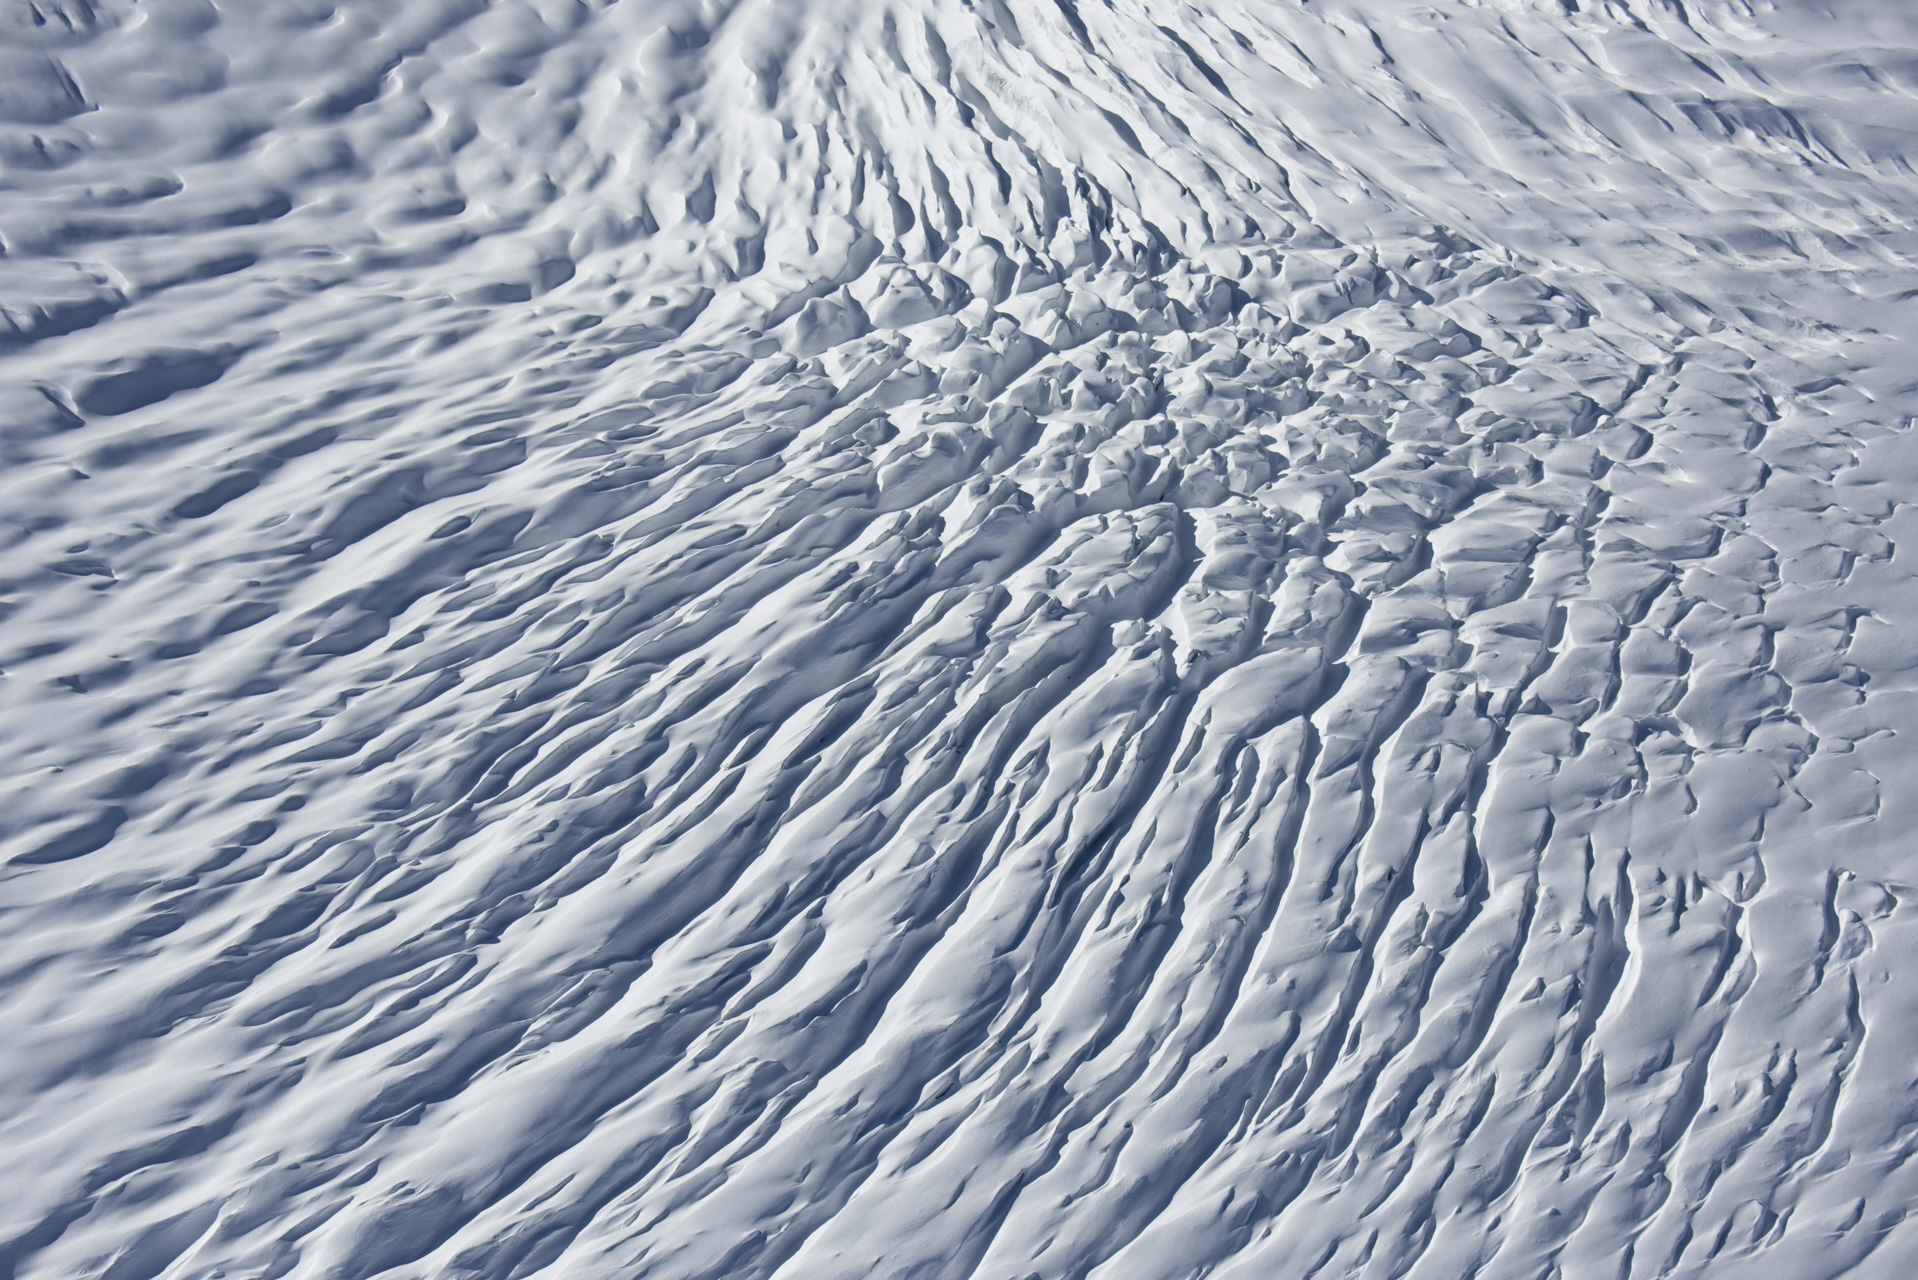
column 935, row 638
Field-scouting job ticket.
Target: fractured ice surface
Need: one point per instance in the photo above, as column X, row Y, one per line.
column 936, row 638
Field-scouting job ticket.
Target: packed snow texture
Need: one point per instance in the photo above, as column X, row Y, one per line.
column 942, row 638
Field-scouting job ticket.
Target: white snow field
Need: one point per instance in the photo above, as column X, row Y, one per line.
column 1015, row 639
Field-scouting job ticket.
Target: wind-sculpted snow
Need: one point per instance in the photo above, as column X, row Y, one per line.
column 999, row 638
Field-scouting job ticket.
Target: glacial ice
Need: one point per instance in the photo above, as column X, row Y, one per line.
column 940, row 638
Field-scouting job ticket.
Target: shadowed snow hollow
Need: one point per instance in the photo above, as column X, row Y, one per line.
column 958, row 638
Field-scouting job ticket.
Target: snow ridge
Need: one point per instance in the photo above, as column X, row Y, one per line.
column 950, row 638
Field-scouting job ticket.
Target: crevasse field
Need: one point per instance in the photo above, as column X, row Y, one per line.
column 821, row 639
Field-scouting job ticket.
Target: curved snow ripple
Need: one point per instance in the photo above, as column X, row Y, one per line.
column 945, row 639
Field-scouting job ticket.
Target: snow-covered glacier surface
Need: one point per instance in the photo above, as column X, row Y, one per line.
column 958, row 638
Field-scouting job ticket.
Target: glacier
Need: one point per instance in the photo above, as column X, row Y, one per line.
column 1017, row 639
